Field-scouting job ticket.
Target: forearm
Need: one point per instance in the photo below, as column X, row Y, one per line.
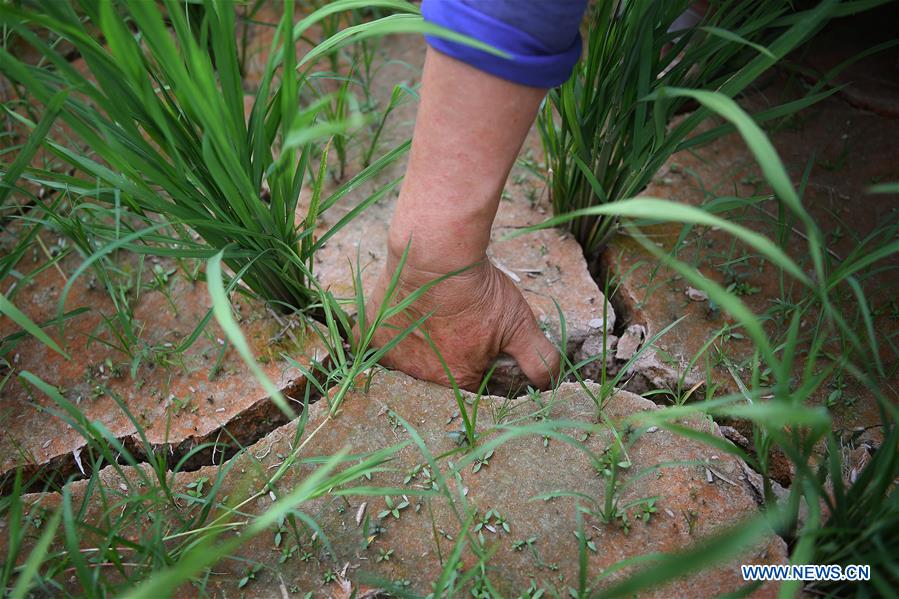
column 469, row 130
column 474, row 114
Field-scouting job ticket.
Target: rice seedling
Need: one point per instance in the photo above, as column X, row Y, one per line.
column 401, row 92
column 46, row 550
column 164, row 118
column 610, row 127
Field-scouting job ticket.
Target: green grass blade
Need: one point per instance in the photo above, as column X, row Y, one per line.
column 35, row 558
column 32, row 145
column 707, row 552
column 17, row 316
column 665, row 210
column 733, row 37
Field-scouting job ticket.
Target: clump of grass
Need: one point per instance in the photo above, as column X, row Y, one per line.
column 606, row 132
column 858, row 527
column 162, row 113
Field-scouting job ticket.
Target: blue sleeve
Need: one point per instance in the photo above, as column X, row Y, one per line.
column 541, row 36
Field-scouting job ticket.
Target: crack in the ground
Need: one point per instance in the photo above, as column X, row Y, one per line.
column 193, row 452
column 780, row 470
column 189, row 454
column 623, row 311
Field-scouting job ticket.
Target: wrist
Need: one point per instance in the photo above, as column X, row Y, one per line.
column 438, row 245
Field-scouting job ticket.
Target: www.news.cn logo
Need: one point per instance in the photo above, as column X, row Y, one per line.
column 806, row 572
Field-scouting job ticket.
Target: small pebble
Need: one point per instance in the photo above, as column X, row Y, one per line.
column 696, row 295
column 596, row 323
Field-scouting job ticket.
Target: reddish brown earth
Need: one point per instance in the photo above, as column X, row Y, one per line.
column 868, row 80
column 174, row 397
column 851, row 150
column 854, row 148
column 689, row 506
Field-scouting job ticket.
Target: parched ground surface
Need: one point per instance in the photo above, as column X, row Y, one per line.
column 697, row 491
column 179, row 400
column 846, row 149
column 207, row 394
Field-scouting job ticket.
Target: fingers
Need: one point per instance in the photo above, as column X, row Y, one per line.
column 536, row 355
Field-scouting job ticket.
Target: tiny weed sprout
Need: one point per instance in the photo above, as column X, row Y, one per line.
column 482, row 461
column 384, row 555
column 394, row 508
column 227, row 147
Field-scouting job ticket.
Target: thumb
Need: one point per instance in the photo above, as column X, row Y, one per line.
column 536, row 355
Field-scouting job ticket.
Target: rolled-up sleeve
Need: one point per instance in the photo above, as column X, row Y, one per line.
column 541, row 36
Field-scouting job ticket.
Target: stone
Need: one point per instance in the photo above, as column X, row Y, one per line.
column 696, row 295
column 630, row 342
column 537, row 544
column 174, row 396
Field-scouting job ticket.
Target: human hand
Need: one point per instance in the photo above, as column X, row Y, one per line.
column 474, row 316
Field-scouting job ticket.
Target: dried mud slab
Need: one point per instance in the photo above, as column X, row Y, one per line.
column 180, row 399
column 653, row 296
column 871, row 83
column 690, row 502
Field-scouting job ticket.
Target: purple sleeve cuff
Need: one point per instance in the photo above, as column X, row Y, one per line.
column 531, row 62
